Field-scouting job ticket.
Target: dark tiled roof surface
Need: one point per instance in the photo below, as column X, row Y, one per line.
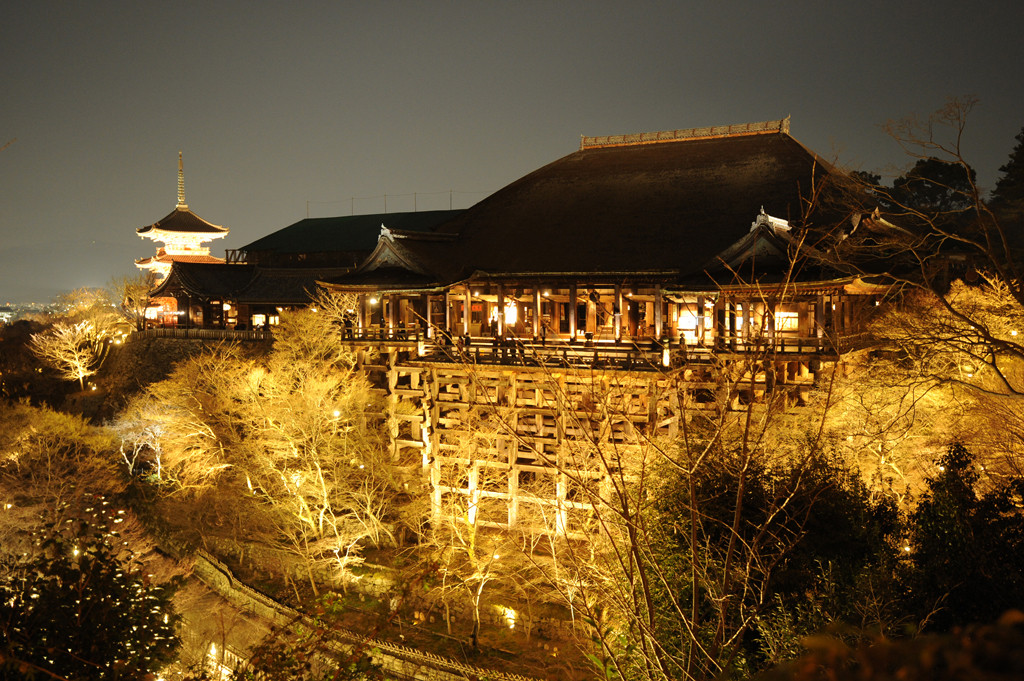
column 244, row 283
column 345, row 234
column 387, row 278
column 649, row 207
column 183, row 220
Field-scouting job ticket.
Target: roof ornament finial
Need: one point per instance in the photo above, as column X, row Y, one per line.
column 181, row 185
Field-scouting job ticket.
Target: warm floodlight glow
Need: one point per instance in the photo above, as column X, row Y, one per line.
column 374, row 300
column 510, row 616
column 511, row 312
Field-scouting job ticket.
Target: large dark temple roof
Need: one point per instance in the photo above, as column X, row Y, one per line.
column 355, row 233
column 648, row 206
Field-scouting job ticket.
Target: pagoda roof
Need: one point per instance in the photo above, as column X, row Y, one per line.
column 181, row 220
column 353, row 233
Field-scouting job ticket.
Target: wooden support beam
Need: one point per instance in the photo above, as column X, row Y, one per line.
column 659, row 322
column 536, row 312
column 699, row 331
column 447, row 313
column 617, row 316
column 500, row 321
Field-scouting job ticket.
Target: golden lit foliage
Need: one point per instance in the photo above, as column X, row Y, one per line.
column 74, row 350
column 296, row 431
column 49, row 462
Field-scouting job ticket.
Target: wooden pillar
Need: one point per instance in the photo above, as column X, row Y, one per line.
column 392, row 314
column 447, row 313
column 572, row 312
column 699, row 331
column 731, row 307
column 467, row 308
column 428, row 315
column 591, row 323
column 749, row 333
column 819, row 319
column 536, row 312
column 617, row 317
column 658, row 312
column 501, row 311
column 719, row 322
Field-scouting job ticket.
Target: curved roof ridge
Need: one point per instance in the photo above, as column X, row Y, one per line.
column 760, row 128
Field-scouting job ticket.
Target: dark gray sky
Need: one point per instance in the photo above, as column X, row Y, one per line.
column 280, row 104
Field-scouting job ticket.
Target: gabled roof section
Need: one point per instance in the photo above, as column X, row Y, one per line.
column 767, row 241
column 354, row 233
column 402, row 260
column 247, row 284
column 671, row 204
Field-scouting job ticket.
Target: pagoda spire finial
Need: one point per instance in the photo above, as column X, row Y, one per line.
column 181, row 185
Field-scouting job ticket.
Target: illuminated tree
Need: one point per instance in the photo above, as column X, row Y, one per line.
column 952, row 333
column 74, row 350
column 130, row 296
column 291, row 440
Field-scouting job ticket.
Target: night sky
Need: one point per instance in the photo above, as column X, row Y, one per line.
column 280, row 106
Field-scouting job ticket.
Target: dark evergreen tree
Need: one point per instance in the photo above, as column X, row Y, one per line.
column 934, row 187
column 966, row 561
column 77, row 610
column 1007, row 199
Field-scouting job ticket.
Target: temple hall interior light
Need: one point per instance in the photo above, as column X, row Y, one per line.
column 511, row 312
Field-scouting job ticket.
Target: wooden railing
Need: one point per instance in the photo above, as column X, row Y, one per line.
column 560, row 349
column 630, row 354
column 262, row 334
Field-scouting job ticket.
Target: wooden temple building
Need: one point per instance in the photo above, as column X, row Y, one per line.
column 629, row 272
column 250, row 289
column 574, row 316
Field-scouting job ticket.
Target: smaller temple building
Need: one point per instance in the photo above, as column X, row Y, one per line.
column 183, row 235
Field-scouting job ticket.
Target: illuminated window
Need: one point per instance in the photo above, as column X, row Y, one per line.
column 259, row 319
column 153, row 312
column 687, row 322
column 787, row 321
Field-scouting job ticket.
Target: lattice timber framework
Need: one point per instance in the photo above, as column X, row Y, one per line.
column 536, row 447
